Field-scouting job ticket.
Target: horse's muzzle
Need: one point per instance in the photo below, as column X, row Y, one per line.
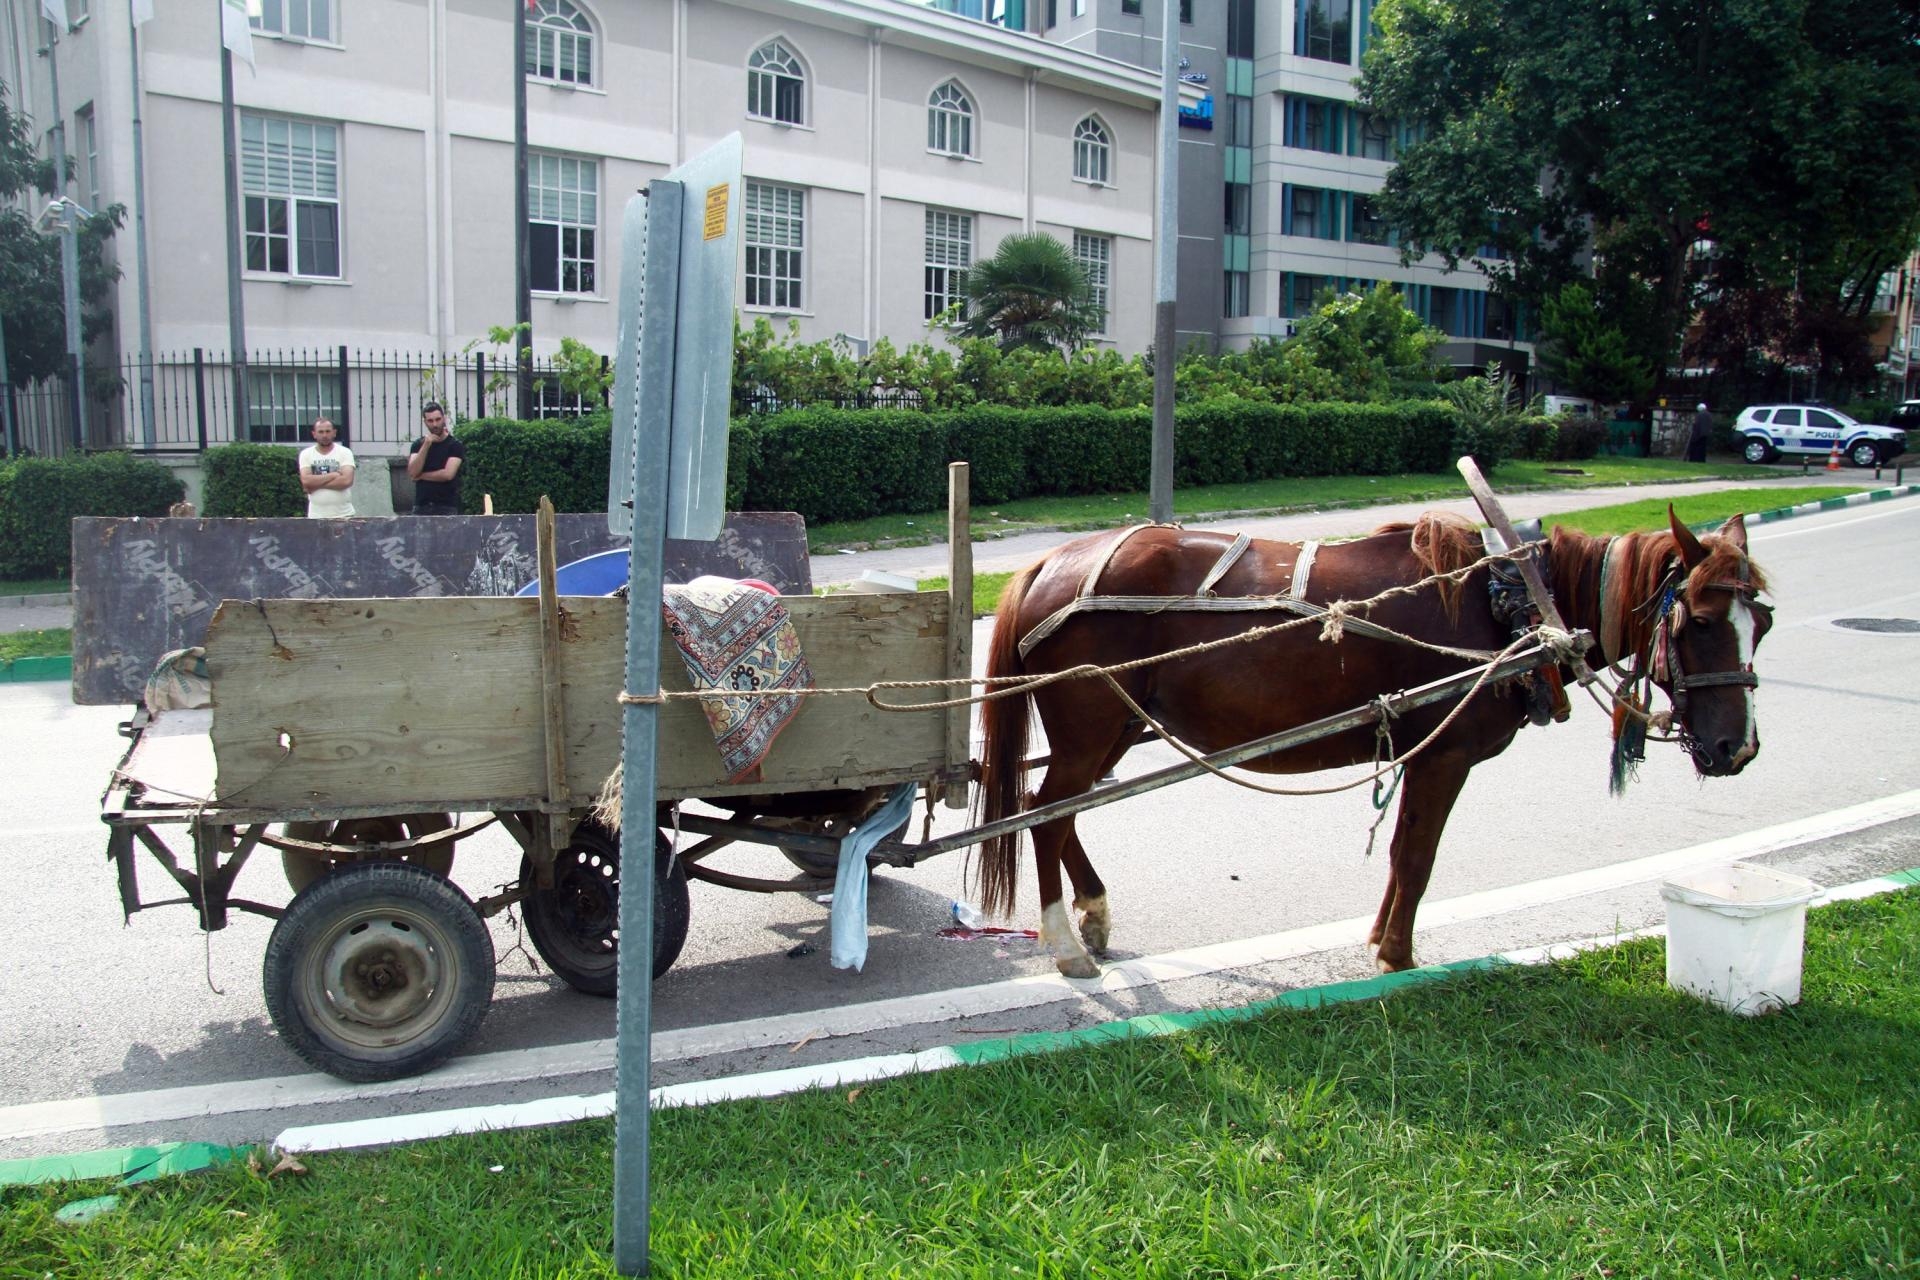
column 1723, row 757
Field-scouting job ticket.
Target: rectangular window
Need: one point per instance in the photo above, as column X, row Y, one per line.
column 1239, row 28
column 1237, row 297
column 1186, row 16
column 1368, row 227
column 1131, row 7
column 1299, row 293
column 1376, row 138
column 1079, row 8
column 1323, row 29
column 1502, row 318
column 302, row 19
column 1313, row 124
column 1239, row 121
column 1239, row 220
column 1095, row 256
column 282, row 403
column 563, row 221
column 949, row 254
column 89, row 154
column 1307, row 211
column 290, row 180
column 776, row 239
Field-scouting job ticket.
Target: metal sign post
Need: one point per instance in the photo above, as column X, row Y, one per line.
column 672, row 385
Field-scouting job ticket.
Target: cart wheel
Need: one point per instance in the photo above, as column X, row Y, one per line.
column 821, row 866
column 302, row 869
column 575, row 925
column 378, row 970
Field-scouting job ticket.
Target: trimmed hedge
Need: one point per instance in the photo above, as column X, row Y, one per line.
column 253, row 480
column 39, row 497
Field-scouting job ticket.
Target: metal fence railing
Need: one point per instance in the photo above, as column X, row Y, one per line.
column 374, row 397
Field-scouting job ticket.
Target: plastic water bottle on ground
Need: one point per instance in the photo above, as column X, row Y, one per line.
column 968, row 916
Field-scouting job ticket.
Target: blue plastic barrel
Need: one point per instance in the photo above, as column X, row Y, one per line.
column 596, row 575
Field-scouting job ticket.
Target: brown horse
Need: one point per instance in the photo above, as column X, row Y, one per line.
column 1682, row 609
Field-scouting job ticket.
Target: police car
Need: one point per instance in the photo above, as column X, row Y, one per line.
column 1769, row 431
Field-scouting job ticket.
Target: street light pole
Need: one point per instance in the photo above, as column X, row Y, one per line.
column 69, row 248
column 1166, row 251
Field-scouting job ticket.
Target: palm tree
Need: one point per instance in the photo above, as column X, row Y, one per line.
column 1030, row 293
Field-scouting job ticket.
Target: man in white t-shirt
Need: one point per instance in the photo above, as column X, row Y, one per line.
column 326, row 473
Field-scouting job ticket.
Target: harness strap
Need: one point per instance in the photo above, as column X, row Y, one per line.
column 1214, row 604
column 1302, row 570
column 1226, row 561
column 1747, row 678
column 1092, row 579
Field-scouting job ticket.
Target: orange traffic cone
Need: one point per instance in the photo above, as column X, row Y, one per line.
column 1833, row 457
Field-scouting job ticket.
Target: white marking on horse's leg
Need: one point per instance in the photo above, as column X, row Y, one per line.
column 1743, row 631
column 1056, row 931
column 1095, row 924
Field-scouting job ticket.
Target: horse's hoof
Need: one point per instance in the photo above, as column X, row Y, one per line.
column 1078, row 966
column 1094, row 933
column 1395, row 966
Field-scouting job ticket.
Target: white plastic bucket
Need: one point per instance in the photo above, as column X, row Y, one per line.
column 1735, row 935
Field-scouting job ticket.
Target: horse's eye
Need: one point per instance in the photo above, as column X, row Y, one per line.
column 1701, row 621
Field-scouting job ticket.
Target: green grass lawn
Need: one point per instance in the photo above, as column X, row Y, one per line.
column 1099, row 511
column 53, row 643
column 1579, row 1120
column 36, row 587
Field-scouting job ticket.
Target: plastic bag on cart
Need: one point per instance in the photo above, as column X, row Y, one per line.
column 179, row 682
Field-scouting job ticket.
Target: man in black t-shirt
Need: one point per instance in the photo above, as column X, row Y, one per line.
column 434, row 462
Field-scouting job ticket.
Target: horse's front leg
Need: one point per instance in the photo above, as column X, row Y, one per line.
column 1427, row 792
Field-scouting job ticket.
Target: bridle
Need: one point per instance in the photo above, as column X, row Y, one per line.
column 1663, row 657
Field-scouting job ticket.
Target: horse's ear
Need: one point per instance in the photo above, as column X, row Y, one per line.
column 1735, row 532
column 1691, row 552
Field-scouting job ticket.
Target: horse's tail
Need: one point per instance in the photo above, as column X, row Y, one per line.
column 1003, row 722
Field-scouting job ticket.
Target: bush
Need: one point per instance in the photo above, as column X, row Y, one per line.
column 1579, row 438
column 254, row 481
column 517, row 462
column 39, row 497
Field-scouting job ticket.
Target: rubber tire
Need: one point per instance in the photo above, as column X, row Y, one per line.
column 302, row 869
column 572, row 925
column 1864, row 454
column 1757, row 452
column 420, row 904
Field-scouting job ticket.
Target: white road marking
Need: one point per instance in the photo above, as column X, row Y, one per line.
column 40, row 1119
column 1766, row 533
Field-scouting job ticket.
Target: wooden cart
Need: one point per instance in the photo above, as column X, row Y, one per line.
column 346, row 734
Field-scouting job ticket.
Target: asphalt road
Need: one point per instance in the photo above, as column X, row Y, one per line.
column 97, row 1010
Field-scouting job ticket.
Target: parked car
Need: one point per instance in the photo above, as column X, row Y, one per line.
column 1769, row 431
column 1906, row 417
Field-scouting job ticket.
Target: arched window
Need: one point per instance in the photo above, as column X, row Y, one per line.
column 776, row 84
column 1092, row 152
column 950, row 121
column 559, row 43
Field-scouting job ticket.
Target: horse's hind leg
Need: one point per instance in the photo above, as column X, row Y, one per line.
column 1427, row 793
column 1085, row 736
column 1089, row 893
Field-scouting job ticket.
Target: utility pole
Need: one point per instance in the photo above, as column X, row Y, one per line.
column 140, row 247
column 236, row 306
column 1166, row 258
column 522, row 250
column 69, row 247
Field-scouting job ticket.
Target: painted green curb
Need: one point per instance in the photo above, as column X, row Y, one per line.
column 132, row 1165
column 22, row 670
column 1162, row 1024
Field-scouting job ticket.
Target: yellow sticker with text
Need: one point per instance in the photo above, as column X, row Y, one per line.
column 715, row 224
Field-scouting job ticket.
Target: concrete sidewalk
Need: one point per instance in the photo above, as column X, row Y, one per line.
column 994, row 555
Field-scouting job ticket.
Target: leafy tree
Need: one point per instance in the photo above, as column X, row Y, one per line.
column 1588, row 353
column 1663, row 136
column 30, row 285
column 1367, row 342
column 1030, row 293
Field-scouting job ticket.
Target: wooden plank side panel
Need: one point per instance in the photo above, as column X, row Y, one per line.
column 380, row 702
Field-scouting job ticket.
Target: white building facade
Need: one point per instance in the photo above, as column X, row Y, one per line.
column 888, row 146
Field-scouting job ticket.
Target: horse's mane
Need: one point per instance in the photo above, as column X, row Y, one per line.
column 1441, row 542
column 1639, row 562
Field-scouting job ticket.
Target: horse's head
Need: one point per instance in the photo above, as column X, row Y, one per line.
column 1709, row 621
